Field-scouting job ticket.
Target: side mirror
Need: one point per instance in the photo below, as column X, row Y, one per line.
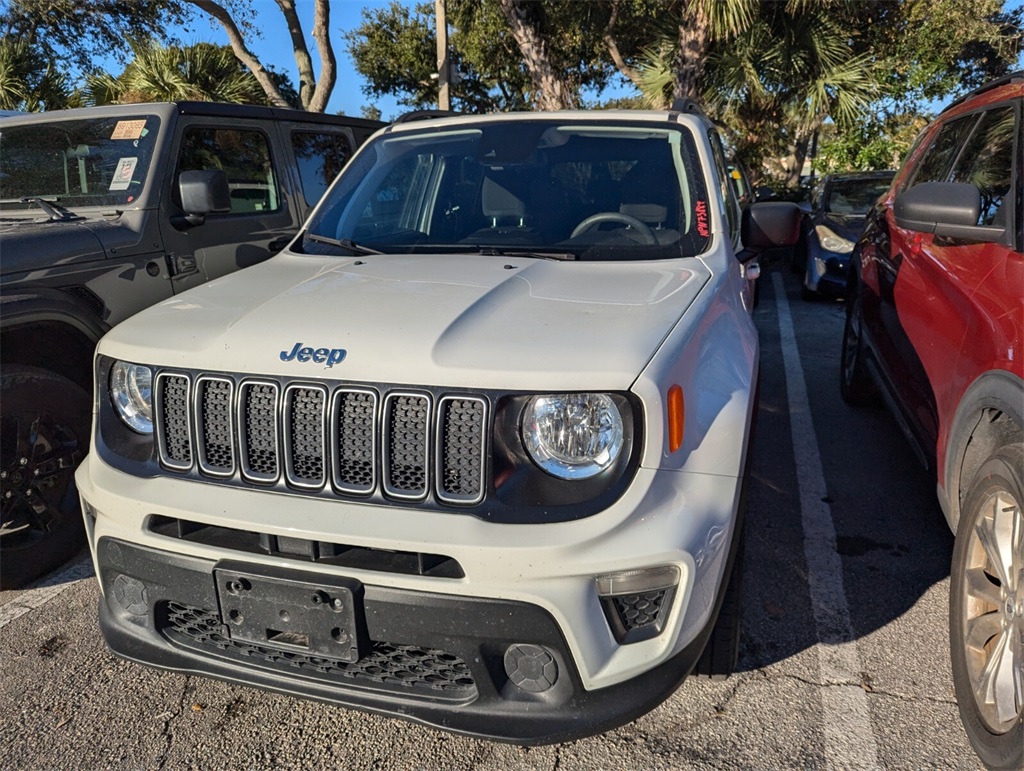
column 768, row 226
column 203, row 192
column 946, row 209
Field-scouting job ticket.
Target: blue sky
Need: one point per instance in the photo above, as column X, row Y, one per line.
column 274, row 47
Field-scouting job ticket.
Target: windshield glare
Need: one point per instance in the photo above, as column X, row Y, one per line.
column 97, row 162
column 593, row 190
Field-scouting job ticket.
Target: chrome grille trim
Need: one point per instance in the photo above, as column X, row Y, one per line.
column 166, row 457
column 444, row 445
column 416, row 450
column 340, row 463
column 246, row 441
column 343, row 440
column 313, row 436
column 205, row 444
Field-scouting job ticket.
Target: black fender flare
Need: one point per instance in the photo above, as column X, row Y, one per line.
column 22, row 306
column 996, row 389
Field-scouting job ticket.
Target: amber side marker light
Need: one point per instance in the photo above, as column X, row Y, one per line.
column 676, row 418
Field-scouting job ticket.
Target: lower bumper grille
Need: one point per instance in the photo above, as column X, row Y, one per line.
column 405, row 669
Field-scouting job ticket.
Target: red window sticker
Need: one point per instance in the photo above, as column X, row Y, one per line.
column 701, row 209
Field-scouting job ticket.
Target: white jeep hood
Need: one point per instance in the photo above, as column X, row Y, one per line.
column 447, row 320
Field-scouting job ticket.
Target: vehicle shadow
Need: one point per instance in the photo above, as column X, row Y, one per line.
column 891, row 536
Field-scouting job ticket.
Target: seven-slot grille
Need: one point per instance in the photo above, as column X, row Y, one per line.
column 313, row 437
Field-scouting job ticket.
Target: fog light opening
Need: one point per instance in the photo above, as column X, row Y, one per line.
column 636, row 603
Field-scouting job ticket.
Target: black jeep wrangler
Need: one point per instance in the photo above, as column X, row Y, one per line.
column 103, row 212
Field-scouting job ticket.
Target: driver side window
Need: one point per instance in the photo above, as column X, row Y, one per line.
column 987, row 163
column 244, row 155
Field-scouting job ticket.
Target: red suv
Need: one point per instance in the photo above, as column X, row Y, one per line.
column 934, row 314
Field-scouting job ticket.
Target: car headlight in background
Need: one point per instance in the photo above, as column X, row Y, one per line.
column 572, row 436
column 832, row 242
column 131, row 391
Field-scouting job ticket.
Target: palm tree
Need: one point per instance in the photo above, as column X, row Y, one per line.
column 27, row 82
column 773, row 77
column 199, row 72
column 794, row 68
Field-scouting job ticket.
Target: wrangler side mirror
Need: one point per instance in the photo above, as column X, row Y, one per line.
column 202, row 192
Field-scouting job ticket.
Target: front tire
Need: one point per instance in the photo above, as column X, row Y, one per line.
column 986, row 610
column 855, row 384
column 44, row 434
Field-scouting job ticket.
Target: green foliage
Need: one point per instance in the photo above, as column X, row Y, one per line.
column 28, row 82
column 76, row 32
column 200, row 72
column 928, row 50
column 395, row 50
column 873, row 145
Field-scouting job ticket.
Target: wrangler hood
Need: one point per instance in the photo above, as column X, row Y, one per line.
column 459, row 320
column 30, row 242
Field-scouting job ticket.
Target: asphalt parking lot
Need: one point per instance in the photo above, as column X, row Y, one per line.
column 844, row 657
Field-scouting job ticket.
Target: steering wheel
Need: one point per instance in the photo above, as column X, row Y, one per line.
column 613, row 216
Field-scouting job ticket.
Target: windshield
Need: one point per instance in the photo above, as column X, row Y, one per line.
column 98, row 162
column 569, row 190
column 855, row 196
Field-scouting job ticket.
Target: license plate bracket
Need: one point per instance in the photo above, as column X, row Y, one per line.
column 314, row 615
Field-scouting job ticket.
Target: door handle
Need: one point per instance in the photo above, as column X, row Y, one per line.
column 278, row 244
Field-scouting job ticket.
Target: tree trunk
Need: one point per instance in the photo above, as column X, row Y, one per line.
column 613, row 48
column 328, row 64
column 307, row 78
column 243, row 54
column 551, row 91
column 692, row 50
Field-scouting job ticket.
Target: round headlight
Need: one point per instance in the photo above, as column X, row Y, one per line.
column 131, row 390
column 572, row 436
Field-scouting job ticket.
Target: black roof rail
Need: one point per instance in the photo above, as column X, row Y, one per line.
column 425, row 115
column 686, row 104
column 1008, row 78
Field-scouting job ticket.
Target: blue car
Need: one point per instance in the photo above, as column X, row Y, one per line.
column 829, row 230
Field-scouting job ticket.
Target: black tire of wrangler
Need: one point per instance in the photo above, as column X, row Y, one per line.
column 1003, row 470
column 44, row 435
column 722, row 652
column 855, row 384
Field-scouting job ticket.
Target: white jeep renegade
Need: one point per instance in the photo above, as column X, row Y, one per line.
column 470, row 452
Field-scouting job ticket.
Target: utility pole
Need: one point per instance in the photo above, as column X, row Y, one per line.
column 444, row 101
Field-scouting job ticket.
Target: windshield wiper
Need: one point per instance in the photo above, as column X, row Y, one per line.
column 54, row 211
column 493, row 251
column 344, row 243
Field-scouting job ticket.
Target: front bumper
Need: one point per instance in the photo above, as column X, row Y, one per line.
column 516, row 648
column 160, row 609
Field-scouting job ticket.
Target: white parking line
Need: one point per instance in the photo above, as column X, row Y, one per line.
column 33, row 599
column 849, row 738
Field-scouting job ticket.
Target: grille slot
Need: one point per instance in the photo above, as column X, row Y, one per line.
column 355, row 442
column 405, row 461
column 214, row 416
column 346, row 440
column 259, row 435
column 305, row 423
column 173, row 419
column 460, row 452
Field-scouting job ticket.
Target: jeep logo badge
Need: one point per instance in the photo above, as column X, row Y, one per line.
column 328, row 356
